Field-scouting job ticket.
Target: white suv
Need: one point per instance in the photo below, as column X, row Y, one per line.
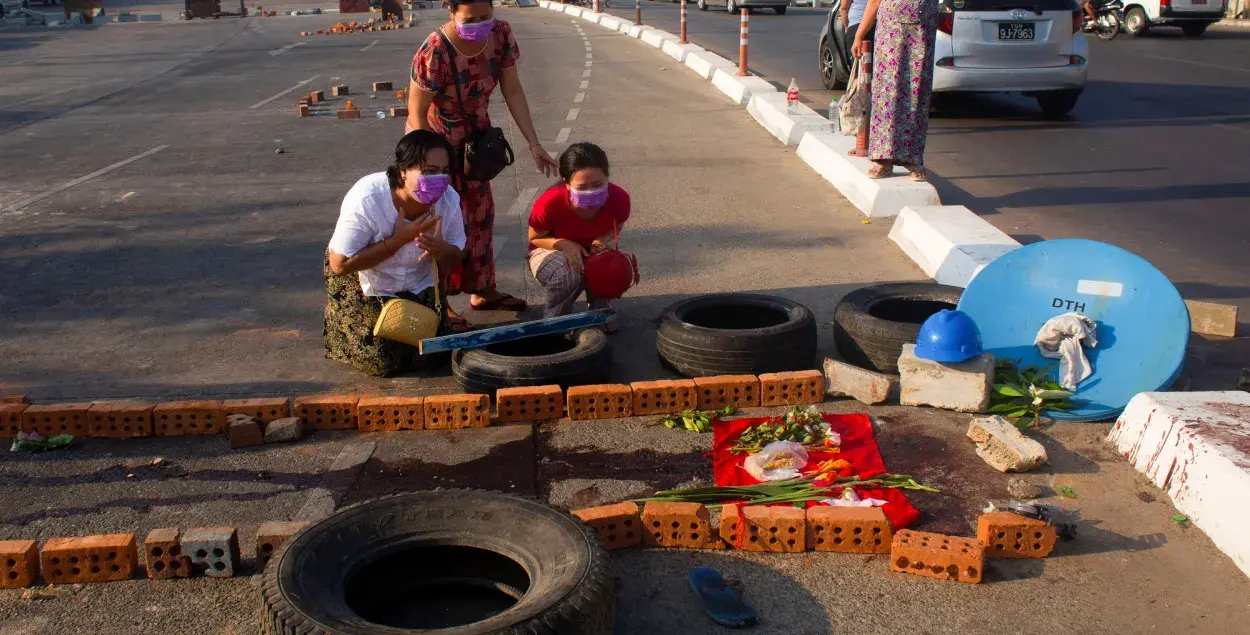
column 1192, row 16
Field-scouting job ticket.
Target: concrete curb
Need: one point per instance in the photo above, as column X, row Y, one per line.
column 949, row 242
column 610, row 22
column 826, row 152
column 704, row 63
column 679, row 51
column 739, row 89
column 657, row 37
column 591, row 16
column 770, row 111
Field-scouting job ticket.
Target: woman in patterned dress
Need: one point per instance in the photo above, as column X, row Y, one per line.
column 902, row 81
column 485, row 57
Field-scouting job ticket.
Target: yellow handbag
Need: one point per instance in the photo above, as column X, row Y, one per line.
column 407, row 321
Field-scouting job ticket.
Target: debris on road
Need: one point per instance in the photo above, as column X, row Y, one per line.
column 722, row 600
column 1008, row 535
column 696, row 420
column 32, row 442
column 1003, row 447
column 1021, row 489
column 244, row 431
column 1209, row 318
column 284, row 430
column 963, row 386
column 846, row 380
column 1065, row 491
column 937, row 556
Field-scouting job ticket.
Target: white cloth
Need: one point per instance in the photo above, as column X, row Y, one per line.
column 1061, row 338
column 368, row 216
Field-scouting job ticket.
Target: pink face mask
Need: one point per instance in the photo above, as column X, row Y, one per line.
column 476, row 31
column 430, row 188
column 589, row 199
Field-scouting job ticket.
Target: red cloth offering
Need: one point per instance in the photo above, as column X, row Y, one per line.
column 859, row 448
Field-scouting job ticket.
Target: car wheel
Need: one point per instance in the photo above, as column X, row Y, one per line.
column 1136, row 23
column 1194, row 29
column 731, row 6
column 702, row 4
column 736, row 334
column 780, row 10
column 832, row 74
column 871, row 324
column 1058, row 103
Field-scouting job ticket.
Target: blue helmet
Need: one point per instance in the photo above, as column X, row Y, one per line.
column 948, row 337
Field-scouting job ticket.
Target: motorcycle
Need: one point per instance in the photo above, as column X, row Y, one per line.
column 1106, row 25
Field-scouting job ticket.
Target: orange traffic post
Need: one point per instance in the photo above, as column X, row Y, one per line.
column 683, row 22
column 742, row 46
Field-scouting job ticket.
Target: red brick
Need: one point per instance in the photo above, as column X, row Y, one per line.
column 1008, row 535
column 301, row 110
column 120, row 420
column 19, row 563
column 340, row 90
column 327, row 412
column 175, row 418
column 529, row 403
column 89, row 559
column 15, row 398
column 317, row 96
column 265, row 410
column 663, row 397
column 399, row 111
column 618, row 526
column 49, row 420
column 848, row 529
column 600, row 401
column 792, row 388
column 391, row 413
column 379, row 86
column 244, row 431
column 162, row 552
column 349, row 114
column 684, row 525
column 270, row 536
column 443, row 412
column 937, row 556
column 739, row 391
column 781, row 529
column 11, row 419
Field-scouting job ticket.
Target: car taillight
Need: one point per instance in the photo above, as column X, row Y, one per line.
column 946, row 20
column 1076, row 60
column 1164, row 4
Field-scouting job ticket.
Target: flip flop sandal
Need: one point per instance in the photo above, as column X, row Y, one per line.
column 918, row 175
column 722, row 603
column 879, row 172
column 504, row 302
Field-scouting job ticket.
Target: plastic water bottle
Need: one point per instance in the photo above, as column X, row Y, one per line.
column 792, row 97
column 835, row 120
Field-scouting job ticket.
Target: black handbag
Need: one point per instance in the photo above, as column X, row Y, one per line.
column 486, row 152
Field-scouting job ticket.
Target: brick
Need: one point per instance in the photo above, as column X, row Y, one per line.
column 848, row 529
column 272, row 535
column 213, row 550
column 1209, row 318
column 15, row 398
column 399, row 111
column 188, row 417
column 964, row 387
column 618, row 526
column 340, row 90
column 53, row 419
column 89, row 559
column 529, row 403
column 284, row 430
column 19, row 563
column 120, row 420
column 663, row 397
column 302, row 110
column 1008, row 535
column 792, row 388
column 739, row 391
column 781, row 529
column 937, row 556
column 684, row 525
column 265, row 410
column 327, row 412
column 349, row 114
column 378, row 86
column 244, row 431
column 317, row 96
column 600, row 401
column 162, row 552
column 1001, row 444
column 390, row 413
column 846, row 380
column 444, row 412
column 11, row 419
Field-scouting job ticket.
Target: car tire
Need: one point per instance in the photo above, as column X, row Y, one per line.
column 583, row 357
column 702, row 4
column 1057, row 103
column 731, row 6
column 1136, row 23
column 832, row 74
column 373, row 567
column 780, row 10
column 736, row 334
column 871, row 324
column 1194, row 29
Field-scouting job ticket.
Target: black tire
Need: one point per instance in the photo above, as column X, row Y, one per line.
column 780, row 10
column 1194, row 29
column 372, row 568
column 832, row 72
column 1108, row 32
column 871, row 324
column 1057, row 103
column 736, row 334
column 702, row 4
column 568, row 360
column 1136, row 22
column 731, row 6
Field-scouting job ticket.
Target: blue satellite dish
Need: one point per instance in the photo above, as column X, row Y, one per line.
column 1143, row 325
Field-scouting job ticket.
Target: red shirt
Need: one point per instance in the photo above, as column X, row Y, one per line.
column 553, row 213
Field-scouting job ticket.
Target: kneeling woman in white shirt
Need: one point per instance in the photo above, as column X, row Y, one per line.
column 391, row 228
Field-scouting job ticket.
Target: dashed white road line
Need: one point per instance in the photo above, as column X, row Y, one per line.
column 277, row 52
column 80, row 180
column 586, row 73
column 589, row 56
column 589, row 63
column 573, row 114
column 521, row 203
column 370, row 46
column 38, row 97
column 584, row 85
column 285, row 92
column 579, row 98
column 564, row 135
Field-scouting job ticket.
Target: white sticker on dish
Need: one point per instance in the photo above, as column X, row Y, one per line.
column 1098, row 287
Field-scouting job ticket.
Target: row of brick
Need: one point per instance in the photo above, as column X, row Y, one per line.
column 787, row 529
column 210, row 551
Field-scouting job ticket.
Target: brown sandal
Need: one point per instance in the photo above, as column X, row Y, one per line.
column 881, row 170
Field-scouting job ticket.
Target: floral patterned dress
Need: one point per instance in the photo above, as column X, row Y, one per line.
column 479, row 75
column 902, row 80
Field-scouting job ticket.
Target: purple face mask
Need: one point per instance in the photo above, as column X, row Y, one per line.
column 430, row 187
column 476, row 31
column 589, row 199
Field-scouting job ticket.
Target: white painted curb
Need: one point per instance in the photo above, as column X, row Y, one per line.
column 949, row 242
column 704, row 63
column 1193, row 445
column 739, row 89
column 544, row 4
column 610, row 22
column 769, row 110
column 679, row 51
column 657, row 37
column 634, row 30
column 826, row 153
column 573, row 10
column 589, row 15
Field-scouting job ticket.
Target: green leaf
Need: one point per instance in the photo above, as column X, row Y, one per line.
column 1005, row 407
column 1018, row 413
column 1054, row 394
column 1065, row 491
column 1180, row 518
column 1011, row 391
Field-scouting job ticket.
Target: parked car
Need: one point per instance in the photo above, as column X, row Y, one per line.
column 9, row 6
column 733, row 6
column 1034, row 47
column 1192, row 16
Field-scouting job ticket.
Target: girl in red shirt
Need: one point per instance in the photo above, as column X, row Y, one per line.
column 571, row 221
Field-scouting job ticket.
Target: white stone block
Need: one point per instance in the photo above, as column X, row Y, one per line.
column 845, row 380
column 739, row 89
column 573, row 10
column 634, row 30
column 964, row 386
column 544, row 4
column 608, row 21
column 826, row 152
column 949, row 242
column 770, row 111
column 1004, row 447
column 679, row 51
column 657, row 37
column 1196, row 447
column 589, row 15
column 704, row 63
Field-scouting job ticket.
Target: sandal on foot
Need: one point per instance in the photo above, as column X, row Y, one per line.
column 722, row 602
column 504, row 302
column 880, row 171
column 918, row 174
column 856, row 152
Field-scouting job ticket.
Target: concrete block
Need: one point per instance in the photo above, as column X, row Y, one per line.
column 846, row 380
column 573, row 10
column 1003, row 446
column 284, row 430
column 634, row 30
column 685, row 525
column 678, row 51
column 663, row 397
column 1210, row 318
column 445, row 412
column 770, row 111
column 52, row 419
column 792, row 388
column 964, row 386
column 704, row 63
column 589, row 15
column 399, row 112
column 529, row 403
column 600, row 401
column 739, row 89
column 270, row 536
column 781, row 529
column 390, row 414
column 826, row 152
column 213, row 550
column 162, row 552
column 265, row 410
column 103, row 558
column 610, row 22
column 848, row 529
column 949, row 242
column 618, row 526
column 11, row 419
column 174, row 418
column 657, row 37
column 327, row 412
column 1008, row 535
column 244, row 431
column 380, row 86
column 937, row 556
column 739, row 391
column 19, row 563
column 1196, row 447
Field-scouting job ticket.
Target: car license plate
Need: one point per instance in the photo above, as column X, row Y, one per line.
column 1016, row 30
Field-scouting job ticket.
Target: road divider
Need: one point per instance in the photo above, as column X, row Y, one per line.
column 826, row 152
column 770, row 111
column 704, row 63
column 679, row 51
column 738, row 88
column 657, row 37
column 949, row 242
